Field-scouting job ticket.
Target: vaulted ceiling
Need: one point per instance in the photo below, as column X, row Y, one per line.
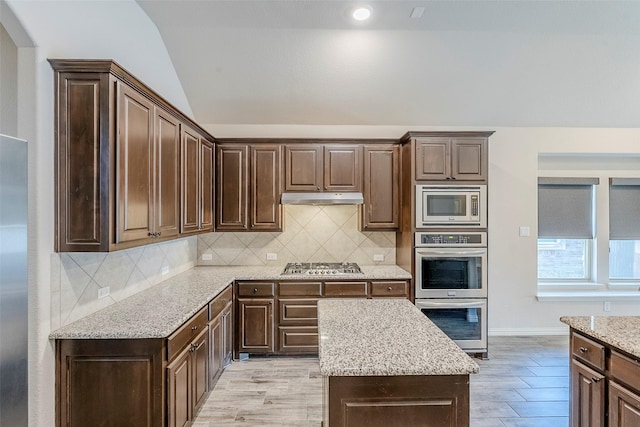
column 463, row 63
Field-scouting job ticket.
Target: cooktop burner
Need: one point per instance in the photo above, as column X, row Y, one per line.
column 322, row 268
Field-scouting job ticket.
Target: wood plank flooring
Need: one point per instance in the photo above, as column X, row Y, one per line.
column 525, row 383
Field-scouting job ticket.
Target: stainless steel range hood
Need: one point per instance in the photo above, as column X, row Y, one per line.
column 322, row 199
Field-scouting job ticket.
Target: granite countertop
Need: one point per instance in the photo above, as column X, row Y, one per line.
column 621, row 332
column 158, row 311
column 384, row 337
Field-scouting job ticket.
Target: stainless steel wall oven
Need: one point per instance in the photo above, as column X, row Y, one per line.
column 451, row 285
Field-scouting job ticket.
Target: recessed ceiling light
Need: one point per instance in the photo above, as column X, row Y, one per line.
column 361, row 13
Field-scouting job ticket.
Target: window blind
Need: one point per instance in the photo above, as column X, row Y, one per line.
column 565, row 208
column 624, row 208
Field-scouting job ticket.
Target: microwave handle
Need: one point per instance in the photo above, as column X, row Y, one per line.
column 450, row 304
column 459, row 253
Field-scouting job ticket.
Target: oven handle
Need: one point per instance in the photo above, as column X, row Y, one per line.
column 456, row 304
column 482, row 252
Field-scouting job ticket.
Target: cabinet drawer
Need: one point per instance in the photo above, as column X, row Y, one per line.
column 299, row 289
column 256, row 289
column 625, row 370
column 345, row 289
column 220, row 302
column 588, row 351
column 187, row 332
column 297, row 339
column 299, row 311
column 390, row 289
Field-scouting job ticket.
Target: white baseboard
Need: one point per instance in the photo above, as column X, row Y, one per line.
column 561, row 330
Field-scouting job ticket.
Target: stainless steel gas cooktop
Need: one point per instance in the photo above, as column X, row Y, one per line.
column 322, row 268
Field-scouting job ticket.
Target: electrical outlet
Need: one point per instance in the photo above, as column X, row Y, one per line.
column 525, row 231
column 607, row 306
column 378, row 257
column 272, row 256
column 207, row 257
column 165, row 270
column 104, row 292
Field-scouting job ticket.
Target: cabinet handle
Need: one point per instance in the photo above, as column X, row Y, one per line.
column 194, row 328
column 583, row 349
column 150, row 234
column 595, row 380
column 255, row 290
column 389, row 288
column 448, row 177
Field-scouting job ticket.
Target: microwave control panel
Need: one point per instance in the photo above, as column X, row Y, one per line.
column 453, row 239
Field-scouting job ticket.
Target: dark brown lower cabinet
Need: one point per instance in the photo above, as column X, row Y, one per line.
column 220, row 341
column 396, row 401
column 587, row 396
column 255, row 325
column 605, row 384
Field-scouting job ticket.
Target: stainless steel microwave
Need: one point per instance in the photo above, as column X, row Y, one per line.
column 451, row 206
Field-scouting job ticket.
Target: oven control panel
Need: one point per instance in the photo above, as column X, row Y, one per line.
column 451, row 239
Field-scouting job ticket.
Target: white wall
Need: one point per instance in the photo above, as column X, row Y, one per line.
column 117, row 30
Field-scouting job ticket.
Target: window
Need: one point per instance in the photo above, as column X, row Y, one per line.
column 624, row 229
column 565, row 228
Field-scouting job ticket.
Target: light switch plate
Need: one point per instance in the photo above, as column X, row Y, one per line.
column 607, row 306
column 525, row 231
column 272, row 256
column 378, row 257
column 207, row 257
column 165, row 270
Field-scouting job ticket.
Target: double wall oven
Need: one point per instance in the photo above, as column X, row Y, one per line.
column 451, row 285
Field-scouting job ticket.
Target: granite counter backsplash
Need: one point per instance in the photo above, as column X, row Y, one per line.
column 159, row 311
column 622, row 332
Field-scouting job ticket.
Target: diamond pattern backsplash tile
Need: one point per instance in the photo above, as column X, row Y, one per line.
column 77, row 277
column 310, row 234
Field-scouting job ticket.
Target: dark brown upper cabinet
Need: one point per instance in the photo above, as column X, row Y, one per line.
column 197, row 183
column 318, row 167
column 381, row 188
column 266, row 170
column 232, row 195
column 451, row 157
column 249, row 187
column 304, row 167
column 117, row 159
column 342, row 167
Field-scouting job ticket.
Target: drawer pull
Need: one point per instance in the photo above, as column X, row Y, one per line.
column 389, row 288
column 583, row 349
column 595, row 380
column 255, row 290
column 194, row 328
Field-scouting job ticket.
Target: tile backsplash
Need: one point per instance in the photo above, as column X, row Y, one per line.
column 77, row 277
column 310, row 233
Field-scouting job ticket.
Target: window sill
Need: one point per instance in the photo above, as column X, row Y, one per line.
column 586, row 296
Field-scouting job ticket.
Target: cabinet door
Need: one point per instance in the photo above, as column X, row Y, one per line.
column 179, row 394
column 587, row 396
column 303, row 167
column 200, row 359
column 231, row 187
column 227, row 341
column 433, row 158
column 381, row 188
column 216, row 340
column 206, row 186
column 265, row 187
column 342, row 167
column 190, row 184
column 135, row 166
column 167, row 205
column 624, row 407
column 468, row 159
column 256, row 325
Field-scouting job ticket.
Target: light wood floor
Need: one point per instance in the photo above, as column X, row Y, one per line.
column 525, row 383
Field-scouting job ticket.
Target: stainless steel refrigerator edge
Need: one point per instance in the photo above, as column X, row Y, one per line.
column 13, row 282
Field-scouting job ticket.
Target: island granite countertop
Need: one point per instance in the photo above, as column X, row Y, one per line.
column 621, row 332
column 158, row 311
column 384, row 337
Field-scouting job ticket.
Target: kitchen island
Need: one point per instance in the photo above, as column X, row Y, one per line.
column 605, row 370
column 386, row 364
